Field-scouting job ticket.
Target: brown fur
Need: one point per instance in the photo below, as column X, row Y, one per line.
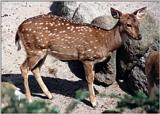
column 69, row 40
column 152, row 72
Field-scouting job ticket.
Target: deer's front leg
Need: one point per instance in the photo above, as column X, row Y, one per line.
column 88, row 67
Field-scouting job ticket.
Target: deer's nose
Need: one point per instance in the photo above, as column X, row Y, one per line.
column 139, row 36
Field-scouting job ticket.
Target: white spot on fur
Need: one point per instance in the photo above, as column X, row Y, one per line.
column 40, row 23
column 67, row 24
column 39, row 51
column 95, row 47
column 50, row 34
column 89, row 50
column 43, row 45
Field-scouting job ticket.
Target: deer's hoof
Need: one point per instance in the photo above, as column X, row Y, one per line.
column 50, row 97
column 30, row 100
column 94, row 104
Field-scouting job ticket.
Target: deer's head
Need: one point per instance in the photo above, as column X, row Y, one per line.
column 129, row 22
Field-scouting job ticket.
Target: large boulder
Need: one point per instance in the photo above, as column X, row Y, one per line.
column 130, row 58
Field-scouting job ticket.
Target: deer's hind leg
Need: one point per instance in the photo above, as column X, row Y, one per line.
column 24, row 70
column 36, row 72
column 35, row 63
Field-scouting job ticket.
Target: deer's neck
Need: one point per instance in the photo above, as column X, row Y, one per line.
column 116, row 40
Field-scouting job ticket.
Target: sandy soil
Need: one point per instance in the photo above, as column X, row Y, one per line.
column 63, row 91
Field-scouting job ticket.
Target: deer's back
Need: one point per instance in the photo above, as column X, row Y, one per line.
column 63, row 38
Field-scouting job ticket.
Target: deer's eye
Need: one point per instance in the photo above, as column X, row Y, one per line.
column 128, row 25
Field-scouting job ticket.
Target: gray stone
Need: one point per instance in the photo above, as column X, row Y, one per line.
column 131, row 56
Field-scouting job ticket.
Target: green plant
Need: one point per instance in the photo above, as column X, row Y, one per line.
column 140, row 100
column 16, row 104
column 12, row 104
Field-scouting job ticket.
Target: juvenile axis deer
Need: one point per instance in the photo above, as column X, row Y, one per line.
column 68, row 40
column 152, row 71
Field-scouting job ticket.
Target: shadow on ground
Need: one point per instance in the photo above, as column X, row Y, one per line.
column 55, row 85
column 76, row 67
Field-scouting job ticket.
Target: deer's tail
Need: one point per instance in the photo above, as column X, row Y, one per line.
column 17, row 41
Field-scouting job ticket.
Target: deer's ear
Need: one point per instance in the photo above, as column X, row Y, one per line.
column 115, row 13
column 140, row 13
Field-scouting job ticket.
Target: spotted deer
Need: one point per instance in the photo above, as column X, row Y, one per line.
column 152, row 70
column 69, row 40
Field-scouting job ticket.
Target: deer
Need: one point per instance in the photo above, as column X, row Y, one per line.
column 66, row 39
column 152, row 70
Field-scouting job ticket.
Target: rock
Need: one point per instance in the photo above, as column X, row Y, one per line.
column 129, row 57
column 67, row 9
column 106, row 71
column 9, row 86
column 105, row 21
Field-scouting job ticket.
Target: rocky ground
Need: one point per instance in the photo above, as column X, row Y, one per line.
column 64, row 90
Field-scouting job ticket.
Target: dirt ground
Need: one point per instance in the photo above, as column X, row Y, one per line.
column 63, row 91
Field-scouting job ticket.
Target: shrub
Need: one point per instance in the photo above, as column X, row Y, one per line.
column 140, row 100
column 14, row 104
